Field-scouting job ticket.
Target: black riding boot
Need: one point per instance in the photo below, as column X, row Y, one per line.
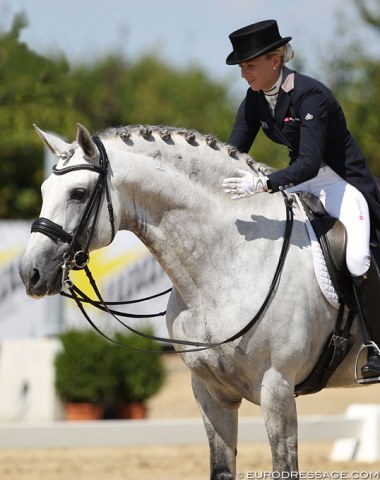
column 368, row 292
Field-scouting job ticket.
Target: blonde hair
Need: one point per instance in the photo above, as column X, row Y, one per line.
column 279, row 51
column 285, row 51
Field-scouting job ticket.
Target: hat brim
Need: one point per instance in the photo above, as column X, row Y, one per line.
column 234, row 58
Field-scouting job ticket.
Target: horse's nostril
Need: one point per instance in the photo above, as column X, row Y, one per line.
column 35, row 277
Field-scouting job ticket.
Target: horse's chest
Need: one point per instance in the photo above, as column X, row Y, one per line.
column 224, row 375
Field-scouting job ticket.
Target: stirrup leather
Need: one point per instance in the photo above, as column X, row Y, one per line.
column 362, row 380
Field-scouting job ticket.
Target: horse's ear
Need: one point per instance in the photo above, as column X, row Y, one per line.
column 86, row 143
column 54, row 143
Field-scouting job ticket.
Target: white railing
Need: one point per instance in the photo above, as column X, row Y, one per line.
column 356, row 434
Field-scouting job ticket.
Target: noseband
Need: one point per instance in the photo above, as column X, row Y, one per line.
column 77, row 256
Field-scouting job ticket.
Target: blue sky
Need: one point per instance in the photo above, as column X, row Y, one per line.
column 183, row 32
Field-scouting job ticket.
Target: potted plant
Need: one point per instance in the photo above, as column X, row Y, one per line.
column 83, row 373
column 139, row 375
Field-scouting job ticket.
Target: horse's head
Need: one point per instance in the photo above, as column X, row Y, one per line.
column 76, row 199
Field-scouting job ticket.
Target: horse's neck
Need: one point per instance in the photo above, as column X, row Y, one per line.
column 162, row 178
column 171, row 198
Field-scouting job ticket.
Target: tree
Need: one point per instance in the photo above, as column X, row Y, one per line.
column 112, row 92
column 150, row 92
column 354, row 76
column 31, row 90
column 370, row 12
column 115, row 91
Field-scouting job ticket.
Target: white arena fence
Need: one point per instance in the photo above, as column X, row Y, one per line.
column 356, row 435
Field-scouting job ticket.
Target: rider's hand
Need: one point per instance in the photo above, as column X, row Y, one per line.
column 245, row 185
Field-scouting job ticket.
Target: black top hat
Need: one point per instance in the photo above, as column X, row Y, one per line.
column 255, row 40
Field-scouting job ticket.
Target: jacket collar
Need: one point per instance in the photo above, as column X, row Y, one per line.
column 287, row 84
column 283, row 100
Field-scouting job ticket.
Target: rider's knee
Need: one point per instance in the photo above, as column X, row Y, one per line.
column 358, row 264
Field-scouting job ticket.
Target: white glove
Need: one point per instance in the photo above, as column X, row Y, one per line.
column 245, row 185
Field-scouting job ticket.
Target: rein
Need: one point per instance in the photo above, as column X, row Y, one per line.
column 77, row 258
column 79, row 297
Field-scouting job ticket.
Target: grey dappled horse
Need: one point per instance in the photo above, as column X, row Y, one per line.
column 165, row 186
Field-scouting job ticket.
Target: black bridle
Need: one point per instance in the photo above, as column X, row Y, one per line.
column 77, row 255
column 77, row 258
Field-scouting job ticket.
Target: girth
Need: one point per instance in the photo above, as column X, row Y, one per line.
column 332, row 237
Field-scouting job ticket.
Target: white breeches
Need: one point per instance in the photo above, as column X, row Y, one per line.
column 342, row 200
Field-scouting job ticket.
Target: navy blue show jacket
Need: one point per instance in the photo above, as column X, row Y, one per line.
column 309, row 120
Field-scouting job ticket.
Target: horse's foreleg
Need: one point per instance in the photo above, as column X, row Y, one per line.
column 280, row 416
column 220, row 420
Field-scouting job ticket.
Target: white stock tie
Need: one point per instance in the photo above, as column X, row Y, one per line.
column 271, row 95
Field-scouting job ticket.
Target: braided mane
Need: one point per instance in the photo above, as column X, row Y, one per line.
column 168, row 135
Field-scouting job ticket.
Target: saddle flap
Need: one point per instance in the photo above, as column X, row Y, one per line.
column 332, row 236
column 334, row 233
column 313, row 204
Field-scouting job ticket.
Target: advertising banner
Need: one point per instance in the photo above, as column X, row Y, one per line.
column 125, row 270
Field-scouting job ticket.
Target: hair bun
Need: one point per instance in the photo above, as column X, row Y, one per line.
column 288, row 53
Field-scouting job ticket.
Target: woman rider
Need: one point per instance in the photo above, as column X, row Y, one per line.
column 303, row 114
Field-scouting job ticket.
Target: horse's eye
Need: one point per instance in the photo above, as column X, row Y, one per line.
column 78, row 194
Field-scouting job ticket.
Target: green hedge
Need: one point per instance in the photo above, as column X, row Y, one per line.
column 91, row 369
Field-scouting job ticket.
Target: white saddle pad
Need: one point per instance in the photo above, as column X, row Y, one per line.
column 320, row 267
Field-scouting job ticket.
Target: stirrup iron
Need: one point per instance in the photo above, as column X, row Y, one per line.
column 362, row 380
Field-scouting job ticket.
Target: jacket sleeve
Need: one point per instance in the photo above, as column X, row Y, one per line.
column 313, row 119
column 243, row 135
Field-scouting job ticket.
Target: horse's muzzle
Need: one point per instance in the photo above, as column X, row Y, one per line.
column 38, row 286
